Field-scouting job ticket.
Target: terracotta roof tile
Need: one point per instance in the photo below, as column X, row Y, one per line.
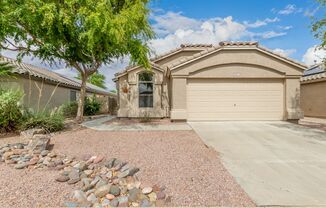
column 238, row 43
column 313, row 77
column 182, row 47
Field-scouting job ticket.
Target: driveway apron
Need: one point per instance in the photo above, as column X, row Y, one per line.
column 276, row 163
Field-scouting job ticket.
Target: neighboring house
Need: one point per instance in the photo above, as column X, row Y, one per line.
column 313, row 92
column 45, row 89
column 231, row 81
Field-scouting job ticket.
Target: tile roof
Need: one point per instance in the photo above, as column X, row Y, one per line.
column 128, row 68
column 314, row 73
column 239, row 43
column 226, row 44
column 313, row 77
column 28, row 69
column 316, row 69
column 181, row 48
column 156, row 58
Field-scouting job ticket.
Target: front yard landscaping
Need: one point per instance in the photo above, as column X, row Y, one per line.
column 190, row 173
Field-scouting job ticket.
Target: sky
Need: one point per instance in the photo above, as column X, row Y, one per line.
column 280, row 25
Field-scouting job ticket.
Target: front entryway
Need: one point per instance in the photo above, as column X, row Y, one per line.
column 235, row 99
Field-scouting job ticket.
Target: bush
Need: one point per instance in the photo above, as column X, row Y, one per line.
column 91, row 107
column 69, row 110
column 51, row 122
column 10, row 110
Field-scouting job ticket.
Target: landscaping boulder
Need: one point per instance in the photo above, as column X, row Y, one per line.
column 39, row 142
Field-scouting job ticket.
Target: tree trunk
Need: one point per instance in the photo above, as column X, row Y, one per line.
column 80, row 111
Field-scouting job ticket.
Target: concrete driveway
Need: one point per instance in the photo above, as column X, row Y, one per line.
column 276, row 163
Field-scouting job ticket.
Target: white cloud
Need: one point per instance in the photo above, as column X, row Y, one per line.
column 260, row 23
column 210, row 31
column 314, row 55
column 171, row 21
column 289, row 9
column 285, row 27
column 284, row 52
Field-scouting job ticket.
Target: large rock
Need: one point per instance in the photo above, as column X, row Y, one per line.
column 28, row 134
column 80, row 196
column 115, row 190
column 102, row 191
column 39, row 142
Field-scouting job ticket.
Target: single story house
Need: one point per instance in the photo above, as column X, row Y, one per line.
column 197, row 82
column 45, row 89
column 313, row 91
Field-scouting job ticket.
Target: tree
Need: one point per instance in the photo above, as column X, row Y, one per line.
column 96, row 79
column 6, row 69
column 319, row 27
column 82, row 33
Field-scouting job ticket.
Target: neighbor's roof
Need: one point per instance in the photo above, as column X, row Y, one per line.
column 38, row 72
column 231, row 45
column 315, row 72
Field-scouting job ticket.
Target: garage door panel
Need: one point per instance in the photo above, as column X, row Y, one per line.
column 226, row 116
column 236, row 99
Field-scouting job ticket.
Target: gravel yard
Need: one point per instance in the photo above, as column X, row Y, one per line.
column 31, row 188
column 192, row 173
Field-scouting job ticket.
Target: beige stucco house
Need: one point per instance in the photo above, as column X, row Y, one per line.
column 231, row 81
column 313, row 92
column 44, row 89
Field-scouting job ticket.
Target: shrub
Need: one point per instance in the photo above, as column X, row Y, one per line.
column 69, row 110
column 10, row 110
column 92, row 106
column 50, row 121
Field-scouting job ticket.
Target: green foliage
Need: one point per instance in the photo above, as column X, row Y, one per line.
column 91, row 106
column 50, row 121
column 96, row 79
column 10, row 110
column 13, row 117
column 319, row 25
column 6, row 69
column 69, row 110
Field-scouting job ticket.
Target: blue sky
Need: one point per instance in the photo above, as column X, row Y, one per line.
column 280, row 25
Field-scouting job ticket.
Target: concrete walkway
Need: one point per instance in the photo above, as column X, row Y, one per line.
column 276, row 163
column 99, row 124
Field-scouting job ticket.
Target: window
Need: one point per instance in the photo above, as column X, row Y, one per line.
column 73, row 96
column 145, row 87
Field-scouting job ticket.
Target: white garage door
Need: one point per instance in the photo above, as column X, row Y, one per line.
column 235, row 99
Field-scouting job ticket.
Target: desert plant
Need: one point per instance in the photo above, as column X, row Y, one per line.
column 10, row 110
column 69, row 110
column 50, row 121
column 92, row 106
